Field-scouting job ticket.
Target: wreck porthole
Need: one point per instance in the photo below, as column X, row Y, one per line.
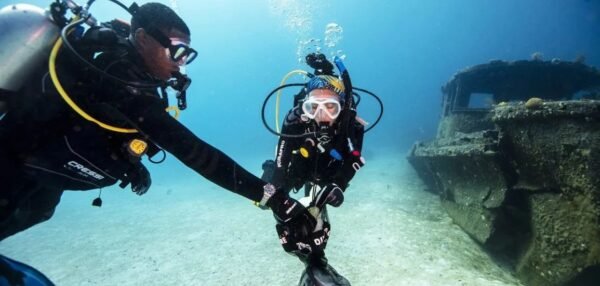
column 481, row 100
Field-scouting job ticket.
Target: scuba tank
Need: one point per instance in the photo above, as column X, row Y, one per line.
column 28, row 34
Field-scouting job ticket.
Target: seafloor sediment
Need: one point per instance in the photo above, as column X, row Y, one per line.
column 388, row 232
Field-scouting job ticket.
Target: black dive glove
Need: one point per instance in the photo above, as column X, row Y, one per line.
column 331, row 194
column 140, row 179
column 285, row 209
column 320, row 63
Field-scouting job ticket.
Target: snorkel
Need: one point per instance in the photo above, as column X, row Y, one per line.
column 346, row 80
column 345, row 130
column 349, row 110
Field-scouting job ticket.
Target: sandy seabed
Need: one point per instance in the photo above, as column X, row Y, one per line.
column 388, row 232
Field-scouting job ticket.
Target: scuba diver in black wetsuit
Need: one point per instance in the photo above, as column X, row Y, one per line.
column 90, row 112
column 316, row 154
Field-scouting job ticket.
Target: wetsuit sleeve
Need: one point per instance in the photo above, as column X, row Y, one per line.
column 347, row 171
column 285, row 147
column 146, row 111
column 148, row 114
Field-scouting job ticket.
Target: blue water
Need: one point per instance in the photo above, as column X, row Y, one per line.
column 403, row 51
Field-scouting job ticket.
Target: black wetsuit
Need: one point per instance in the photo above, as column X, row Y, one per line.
column 46, row 148
column 293, row 171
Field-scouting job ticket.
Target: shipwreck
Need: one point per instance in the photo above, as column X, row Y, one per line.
column 516, row 163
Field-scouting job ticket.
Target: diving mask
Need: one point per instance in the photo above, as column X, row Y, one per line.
column 180, row 52
column 316, row 108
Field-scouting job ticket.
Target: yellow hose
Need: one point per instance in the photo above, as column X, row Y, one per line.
column 285, row 78
column 75, row 107
column 67, row 99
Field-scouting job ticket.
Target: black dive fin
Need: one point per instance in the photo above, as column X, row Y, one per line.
column 322, row 276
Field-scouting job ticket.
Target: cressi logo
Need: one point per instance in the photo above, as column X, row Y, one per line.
column 84, row 170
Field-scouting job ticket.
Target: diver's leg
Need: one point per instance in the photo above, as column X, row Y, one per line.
column 15, row 191
column 8, row 173
column 44, row 205
column 319, row 272
column 32, row 207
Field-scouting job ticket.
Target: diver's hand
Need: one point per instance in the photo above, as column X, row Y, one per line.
column 286, row 208
column 320, row 63
column 140, row 179
column 331, row 194
column 295, row 225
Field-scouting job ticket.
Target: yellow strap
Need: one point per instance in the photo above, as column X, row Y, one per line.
column 285, row 78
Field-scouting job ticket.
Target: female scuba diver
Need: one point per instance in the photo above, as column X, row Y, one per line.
column 319, row 149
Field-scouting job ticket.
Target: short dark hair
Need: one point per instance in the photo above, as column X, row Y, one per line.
column 159, row 16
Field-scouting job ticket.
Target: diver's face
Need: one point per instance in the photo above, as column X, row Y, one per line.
column 155, row 56
column 324, row 106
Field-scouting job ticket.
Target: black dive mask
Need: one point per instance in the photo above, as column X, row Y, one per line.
column 177, row 50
